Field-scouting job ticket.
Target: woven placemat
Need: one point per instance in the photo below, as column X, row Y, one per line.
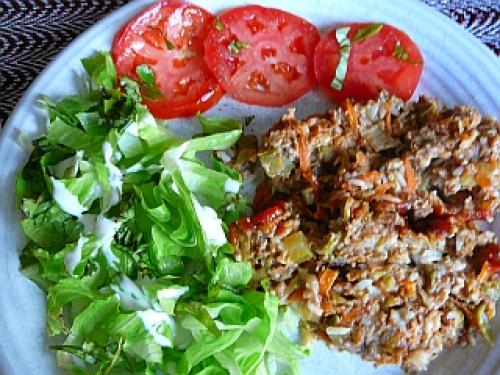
column 32, row 32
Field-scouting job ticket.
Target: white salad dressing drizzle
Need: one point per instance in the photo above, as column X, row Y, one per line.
column 232, row 186
column 153, row 321
column 67, row 201
column 131, row 296
column 114, row 175
column 105, row 230
column 61, row 169
column 210, row 224
column 88, row 221
column 172, row 292
column 74, row 257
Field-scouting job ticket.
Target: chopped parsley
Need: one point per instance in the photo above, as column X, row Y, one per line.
column 368, row 31
column 218, row 24
column 400, row 53
column 236, row 45
column 345, row 50
column 170, row 45
column 147, row 82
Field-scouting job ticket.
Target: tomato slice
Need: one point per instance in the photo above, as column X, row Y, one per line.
column 388, row 60
column 262, row 55
column 168, row 37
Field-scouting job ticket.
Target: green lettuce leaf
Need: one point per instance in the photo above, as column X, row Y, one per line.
column 232, row 273
column 47, row 225
column 212, row 125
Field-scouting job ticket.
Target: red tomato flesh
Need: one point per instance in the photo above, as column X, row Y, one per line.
column 262, row 55
column 489, row 253
column 168, row 37
column 372, row 66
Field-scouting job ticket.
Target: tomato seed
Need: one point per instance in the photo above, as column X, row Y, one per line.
column 288, row 72
column 182, row 86
column 267, row 52
column 254, row 26
column 298, row 46
column 258, row 82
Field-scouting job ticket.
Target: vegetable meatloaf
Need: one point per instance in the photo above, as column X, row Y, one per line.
column 368, row 219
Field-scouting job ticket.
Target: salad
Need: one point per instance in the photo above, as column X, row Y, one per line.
column 126, row 227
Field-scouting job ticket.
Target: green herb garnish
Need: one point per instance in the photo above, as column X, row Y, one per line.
column 170, row 45
column 236, row 45
column 345, row 50
column 148, row 83
column 218, row 24
column 368, row 31
column 400, row 53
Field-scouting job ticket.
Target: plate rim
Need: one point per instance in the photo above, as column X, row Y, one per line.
column 16, row 117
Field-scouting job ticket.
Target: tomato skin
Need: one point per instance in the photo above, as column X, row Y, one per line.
column 264, row 217
column 489, row 253
column 180, row 72
column 268, row 214
column 276, row 65
column 371, row 65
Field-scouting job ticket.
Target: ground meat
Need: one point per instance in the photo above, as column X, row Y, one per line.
column 370, row 225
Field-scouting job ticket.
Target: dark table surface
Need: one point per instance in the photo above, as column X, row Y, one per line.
column 32, row 32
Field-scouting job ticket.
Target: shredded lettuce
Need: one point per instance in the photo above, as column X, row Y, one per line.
column 126, row 226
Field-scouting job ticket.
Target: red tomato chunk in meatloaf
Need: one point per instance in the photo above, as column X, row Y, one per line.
column 368, row 221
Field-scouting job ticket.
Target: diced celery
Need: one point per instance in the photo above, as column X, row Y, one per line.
column 388, row 283
column 484, row 323
column 308, row 194
column 305, row 334
column 430, row 276
column 347, row 208
column 492, row 289
column 393, row 301
column 297, row 247
column 392, row 342
column 273, row 165
column 326, row 152
column 334, row 320
column 332, row 243
column 338, row 299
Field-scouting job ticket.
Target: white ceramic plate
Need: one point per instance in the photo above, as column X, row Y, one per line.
column 458, row 70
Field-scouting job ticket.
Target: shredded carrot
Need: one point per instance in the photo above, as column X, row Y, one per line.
column 411, row 180
column 351, row 114
column 464, row 136
column 233, row 236
column 322, row 335
column 382, row 189
column 371, row 176
column 326, row 280
column 445, row 121
column 351, row 316
column 388, row 116
column 297, row 295
column 305, row 166
column 409, row 287
column 327, row 307
column 484, row 182
column 485, row 273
